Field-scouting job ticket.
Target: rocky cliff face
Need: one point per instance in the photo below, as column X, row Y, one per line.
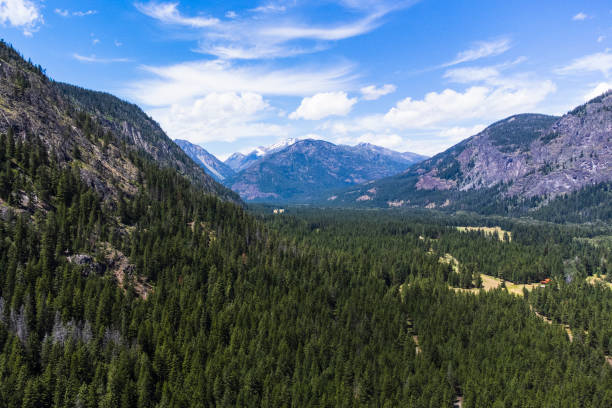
column 91, row 130
column 213, row 166
column 306, row 168
column 522, row 156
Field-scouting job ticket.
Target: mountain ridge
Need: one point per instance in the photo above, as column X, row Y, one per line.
column 94, row 132
column 308, row 167
column 209, row 162
column 521, row 157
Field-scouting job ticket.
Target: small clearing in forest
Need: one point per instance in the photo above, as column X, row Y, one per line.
column 593, row 279
column 488, row 231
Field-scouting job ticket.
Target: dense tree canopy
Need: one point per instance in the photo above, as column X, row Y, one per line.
column 311, row 308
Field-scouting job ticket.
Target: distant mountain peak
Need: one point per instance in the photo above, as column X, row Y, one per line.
column 301, row 170
column 213, row 166
column 240, row 161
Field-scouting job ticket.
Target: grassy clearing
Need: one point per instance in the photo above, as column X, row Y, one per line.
column 497, row 231
column 594, row 279
column 450, row 260
column 490, row 283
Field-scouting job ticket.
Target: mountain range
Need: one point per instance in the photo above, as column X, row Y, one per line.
column 527, row 157
column 300, row 170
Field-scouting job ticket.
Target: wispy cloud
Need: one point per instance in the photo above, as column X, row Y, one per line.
column 269, row 8
column 481, row 49
column 371, row 92
column 84, row 13
column 186, row 81
column 262, row 35
column 93, row 59
column 601, row 61
column 338, row 32
column 68, row 13
column 491, row 74
column 168, row 13
column 580, row 16
column 23, row 14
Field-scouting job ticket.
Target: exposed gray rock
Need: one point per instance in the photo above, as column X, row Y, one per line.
column 88, row 264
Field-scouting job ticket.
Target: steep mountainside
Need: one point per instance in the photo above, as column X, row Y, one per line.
column 92, row 130
column 307, row 168
column 213, row 166
column 524, row 157
column 239, row 161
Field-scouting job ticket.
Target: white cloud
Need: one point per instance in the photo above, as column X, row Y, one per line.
column 599, row 89
column 237, row 52
column 191, row 80
column 168, row 13
column 231, row 14
column 480, row 50
column 601, row 61
column 601, row 38
column 456, row 134
column 324, row 104
column 118, row 43
column 95, row 41
column 92, row 58
column 338, row 32
column 441, row 119
column 371, row 92
column 477, row 102
column 580, row 17
column 269, row 8
column 20, row 13
column 67, row 13
column 217, row 116
column 84, row 13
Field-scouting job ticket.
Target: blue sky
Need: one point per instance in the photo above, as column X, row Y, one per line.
column 409, row 75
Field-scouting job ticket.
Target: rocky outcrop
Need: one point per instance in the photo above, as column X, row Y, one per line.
column 87, row 263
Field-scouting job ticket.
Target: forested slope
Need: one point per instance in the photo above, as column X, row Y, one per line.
column 148, row 291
